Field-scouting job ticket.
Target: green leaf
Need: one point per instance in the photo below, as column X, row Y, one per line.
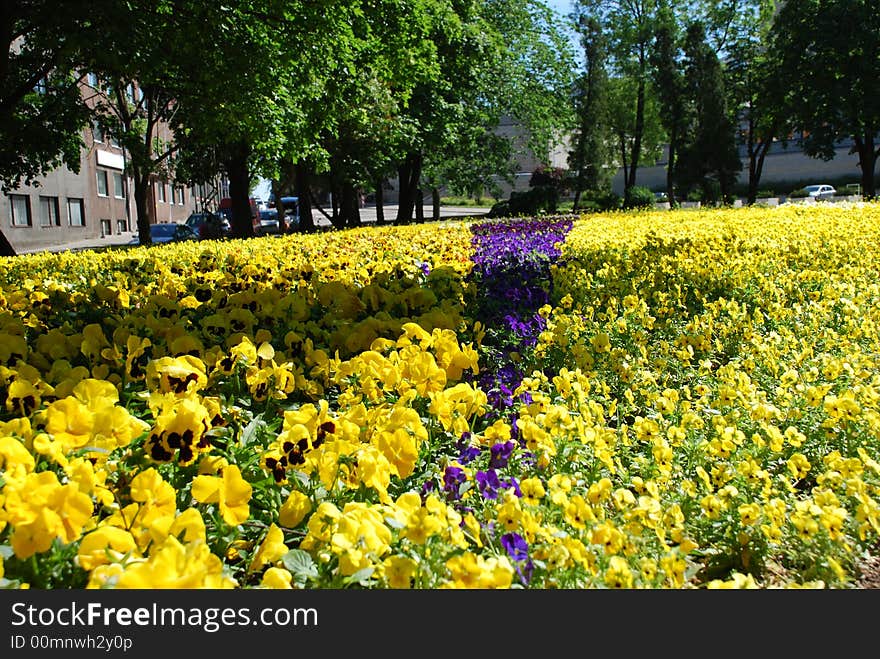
column 360, row 576
column 300, row 564
column 249, row 434
column 394, row 523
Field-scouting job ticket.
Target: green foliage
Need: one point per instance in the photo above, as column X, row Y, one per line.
column 831, row 75
column 41, row 109
column 639, row 197
column 590, row 158
column 709, row 155
column 604, row 200
column 538, row 200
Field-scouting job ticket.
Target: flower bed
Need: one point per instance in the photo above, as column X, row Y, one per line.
column 652, row 400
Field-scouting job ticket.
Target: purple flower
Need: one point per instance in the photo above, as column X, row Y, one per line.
column 500, row 454
column 518, row 549
column 512, row 484
column 453, row 477
column 467, row 453
column 488, row 483
column 515, row 545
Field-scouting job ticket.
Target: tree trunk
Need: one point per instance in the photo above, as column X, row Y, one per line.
column 435, row 202
column 6, row 248
column 302, row 186
column 239, row 192
column 756, row 167
column 380, row 201
column 637, row 137
column 336, row 220
column 277, row 193
column 670, row 172
column 420, row 205
column 349, row 206
column 141, row 190
column 409, row 174
column 867, row 163
column 625, row 165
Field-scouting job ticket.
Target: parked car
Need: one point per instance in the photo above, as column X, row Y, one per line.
column 820, row 191
column 269, row 222
column 225, row 210
column 168, row 232
column 209, row 225
column 291, row 212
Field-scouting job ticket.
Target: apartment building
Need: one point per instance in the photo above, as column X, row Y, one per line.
column 65, row 207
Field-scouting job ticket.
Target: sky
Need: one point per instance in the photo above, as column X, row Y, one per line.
column 562, row 6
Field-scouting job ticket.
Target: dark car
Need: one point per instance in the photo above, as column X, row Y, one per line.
column 209, row 225
column 269, row 222
column 169, row 232
column 291, row 212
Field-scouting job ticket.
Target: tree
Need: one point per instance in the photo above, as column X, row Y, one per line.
column 42, row 111
column 629, row 125
column 828, row 53
column 495, row 58
column 590, row 157
column 709, row 155
column 669, row 81
column 629, row 25
column 753, row 83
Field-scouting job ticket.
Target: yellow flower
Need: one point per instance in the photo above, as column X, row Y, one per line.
column 230, row 491
column 277, row 578
column 270, row 550
column 104, row 545
column 294, row 509
column 618, row 574
column 470, row 571
column 40, row 509
column 798, row 465
column 174, row 565
column 532, row 490
column 399, row 571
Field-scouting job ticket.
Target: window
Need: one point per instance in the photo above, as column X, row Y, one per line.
column 121, row 226
column 106, row 228
column 180, row 195
column 118, row 185
column 102, row 182
column 49, row 212
column 160, row 188
column 97, row 133
column 129, row 93
column 21, row 210
column 114, row 141
column 75, row 213
column 173, row 191
column 92, row 79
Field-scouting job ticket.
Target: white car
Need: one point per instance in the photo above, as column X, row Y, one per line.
column 823, row 191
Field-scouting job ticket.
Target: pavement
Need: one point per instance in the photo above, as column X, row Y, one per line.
column 368, row 216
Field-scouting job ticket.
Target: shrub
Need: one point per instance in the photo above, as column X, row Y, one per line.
column 534, row 201
column 603, row 200
column 639, row 197
column 799, row 193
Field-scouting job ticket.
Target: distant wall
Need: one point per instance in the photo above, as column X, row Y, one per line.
column 781, row 164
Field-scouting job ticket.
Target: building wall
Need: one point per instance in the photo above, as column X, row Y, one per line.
column 781, row 164
column 105, row 211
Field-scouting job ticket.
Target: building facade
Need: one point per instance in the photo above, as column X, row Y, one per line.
column 65, row 207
